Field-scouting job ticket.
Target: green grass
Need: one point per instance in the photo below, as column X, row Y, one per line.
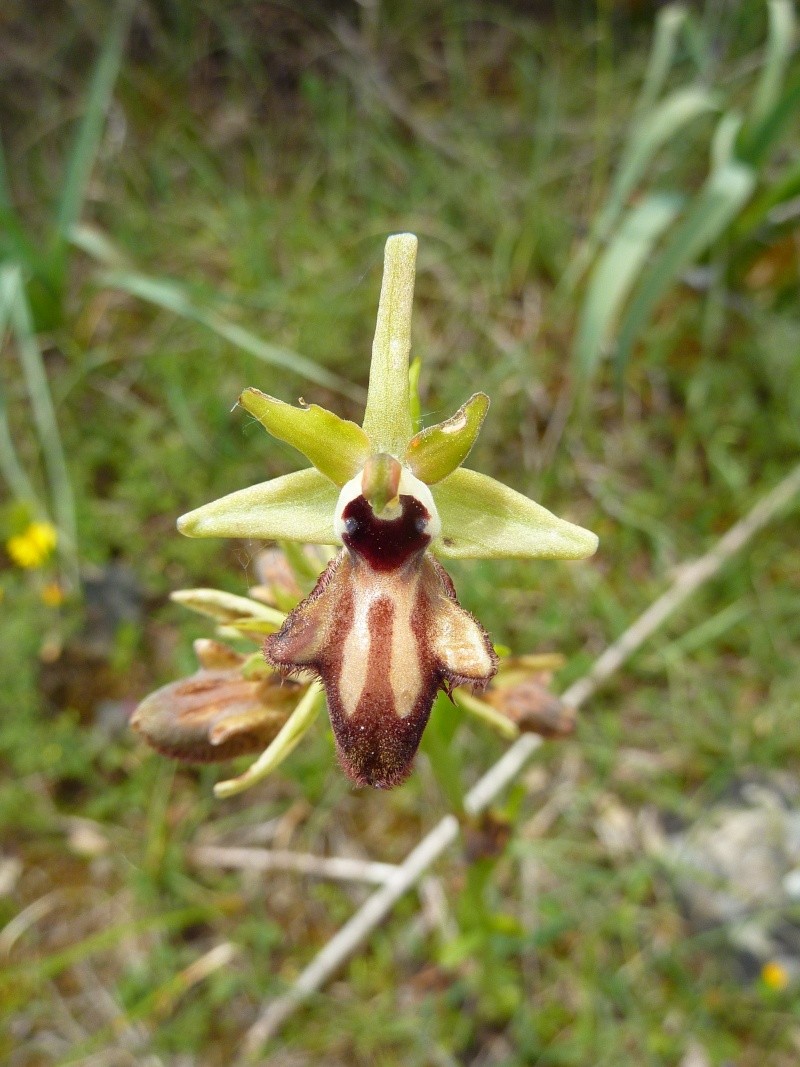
column 261, row 166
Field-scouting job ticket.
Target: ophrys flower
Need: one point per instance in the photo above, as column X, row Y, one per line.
column 383, row 629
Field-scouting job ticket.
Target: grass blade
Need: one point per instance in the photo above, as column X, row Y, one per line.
column 717, row 203
column 10, row 466
column 615, row 273
column 778, row 54
column 172, row 297
column 44, row 416
column 86, row 145
column 647, row 136
column 669, row 24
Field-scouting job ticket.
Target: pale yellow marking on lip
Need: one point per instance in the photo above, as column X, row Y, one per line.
column 355, row 650
column 405, row 676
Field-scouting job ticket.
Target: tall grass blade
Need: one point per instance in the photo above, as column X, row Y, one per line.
column 757, row 141
column 6, row 203
column 669, row 24
column 90, row 133
column 615, row 274
column 779, row 50
column 10, row 466
column 172, row 297
column 717, row 203
column 44, row 416
column 647, row 136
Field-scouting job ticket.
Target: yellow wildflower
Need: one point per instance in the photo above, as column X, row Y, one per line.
column 34, row 545
column 774, row 975
column 52, row 595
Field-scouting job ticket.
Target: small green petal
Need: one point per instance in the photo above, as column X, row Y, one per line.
column 439, row 450
column 336, row 447
column 291, row 734
column 387, row 418
column 484, row 519
column 226, row 607
column 295, row 507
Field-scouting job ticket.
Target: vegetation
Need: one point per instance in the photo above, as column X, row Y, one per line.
column 607, row 214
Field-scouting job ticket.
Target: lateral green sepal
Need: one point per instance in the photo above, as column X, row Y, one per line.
column 437, row 451
column 336, row 447
column 483, row 519
column 295, row 507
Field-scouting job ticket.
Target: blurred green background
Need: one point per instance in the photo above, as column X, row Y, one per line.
column 194, row 198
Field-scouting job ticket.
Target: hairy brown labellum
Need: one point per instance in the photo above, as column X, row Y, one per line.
column 383, row 630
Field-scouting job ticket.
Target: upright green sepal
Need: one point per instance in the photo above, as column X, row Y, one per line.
column 387, row 418
column 296, row 507
column 484, row 519
column 337, row 448
column 437, row 451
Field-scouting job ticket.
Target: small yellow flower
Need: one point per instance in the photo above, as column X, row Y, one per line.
column 774, row 975
column 33, row 546
column 52, row 595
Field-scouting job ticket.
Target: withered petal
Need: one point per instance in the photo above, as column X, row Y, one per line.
column 214, row 715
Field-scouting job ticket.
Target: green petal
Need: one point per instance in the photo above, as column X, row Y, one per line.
column 336, row 447
column 387, row 418
column 482, row 518
column 438, row 451
column 296, row 507
column 291, row 734
column 226, row 607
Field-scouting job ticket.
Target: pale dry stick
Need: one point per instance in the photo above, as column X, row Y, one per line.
column 336, row 868
column 342, row 945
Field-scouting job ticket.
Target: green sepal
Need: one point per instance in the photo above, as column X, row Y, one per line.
column 292, row 732
column 295, row 507
column 387, row 417
column 336, row 447
column 483, row 519
column 437, row 451
column 227, row 607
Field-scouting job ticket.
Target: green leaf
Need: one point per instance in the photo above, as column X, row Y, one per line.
column 436, row 452
column 669, row 23
column 779, row 50
column 172, row 297
column 13, row 298
column 484, row 519
column 387, row 418
column 87, row 143
column 615, row 273
column 287, row 740
column 725, row 192
column 295, row 507
column 336, row 447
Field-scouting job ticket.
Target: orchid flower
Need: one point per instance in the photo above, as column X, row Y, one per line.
column 382, row 630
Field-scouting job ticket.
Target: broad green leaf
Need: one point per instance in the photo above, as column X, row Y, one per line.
column 763, row 208
column 295, row 507
column 484, row 519
column 757, row 142
column 615, row 273
column 87, row 143
column 10, row 464
column 172, row 297
column 336, row 447
column 717, row 203
column 387, row 418
column 436, row 452
column 291, row 734
column 779, row 50
column 226, row 607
